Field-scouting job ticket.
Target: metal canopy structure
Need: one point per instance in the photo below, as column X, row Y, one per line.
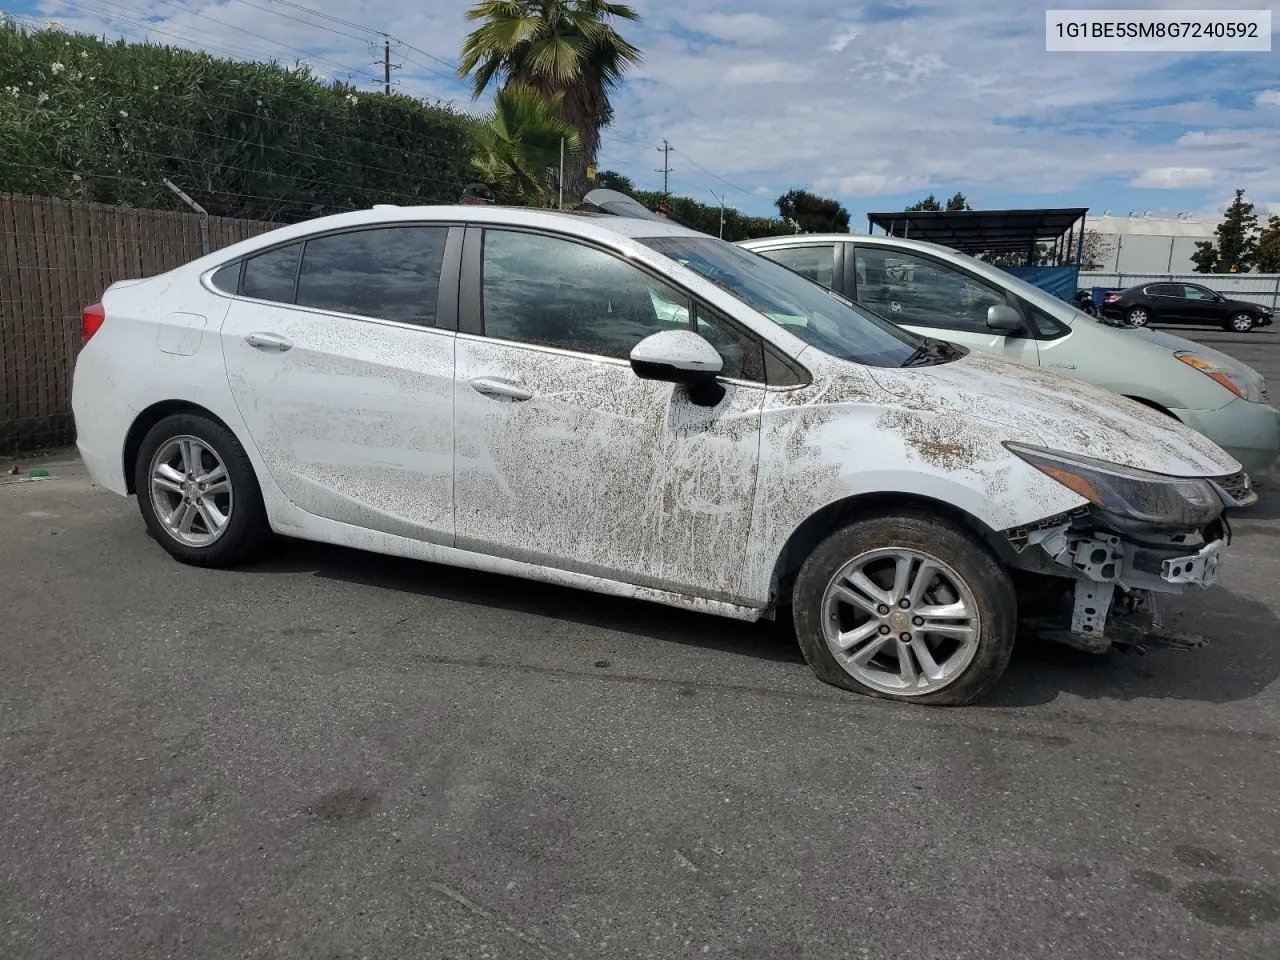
column 978, row 231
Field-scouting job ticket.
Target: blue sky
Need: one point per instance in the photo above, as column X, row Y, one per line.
column 876, row 103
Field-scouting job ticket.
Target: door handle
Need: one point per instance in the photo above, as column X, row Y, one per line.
column 269, row 341
column 500, row 389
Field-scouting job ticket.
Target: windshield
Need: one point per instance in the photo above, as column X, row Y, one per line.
column 811, row 312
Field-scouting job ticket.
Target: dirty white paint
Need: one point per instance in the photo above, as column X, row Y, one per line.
column 355, row 420
column 180, row 333
column 679, row 349
column 603, row 472
column 372, row 435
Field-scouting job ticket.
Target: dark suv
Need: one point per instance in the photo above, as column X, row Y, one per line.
column 1183, row 303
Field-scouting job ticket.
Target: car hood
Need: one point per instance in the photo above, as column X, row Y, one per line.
column 1126, row 338
column 1241, row 371
column 1058, row 412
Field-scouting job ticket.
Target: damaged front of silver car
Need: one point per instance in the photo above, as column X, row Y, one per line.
column 1141, row 536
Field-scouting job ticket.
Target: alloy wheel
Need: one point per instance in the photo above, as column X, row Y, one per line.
column 1242, row 323
column 901, row 621
column 1138, row 317
column 191, row 491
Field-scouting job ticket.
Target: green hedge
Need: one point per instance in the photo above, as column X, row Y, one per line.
column 109, row 121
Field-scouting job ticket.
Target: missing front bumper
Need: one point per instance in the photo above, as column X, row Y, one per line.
column 1116, row 582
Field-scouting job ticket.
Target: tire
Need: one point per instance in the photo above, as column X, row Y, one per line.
column 166, row 457
column 879, row 545
column 1241, row 323
column 1138, row 317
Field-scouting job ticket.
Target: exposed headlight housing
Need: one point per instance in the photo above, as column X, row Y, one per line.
column 1138, row 496
column 1217, row 372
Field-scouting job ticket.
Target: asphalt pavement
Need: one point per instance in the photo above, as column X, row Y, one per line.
column 333, row 754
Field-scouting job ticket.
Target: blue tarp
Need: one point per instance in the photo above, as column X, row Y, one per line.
column 1059, row 281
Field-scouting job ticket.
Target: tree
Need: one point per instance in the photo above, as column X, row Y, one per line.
column 518, row 145
column 812, row 213
column 612, row 180
column 958, row 201
column 565, row 47
column 928, row 203
column 1234, row 250
column 1267, row 255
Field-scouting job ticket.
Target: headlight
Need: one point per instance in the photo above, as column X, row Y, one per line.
column 1149, row 498
column 1216, row 371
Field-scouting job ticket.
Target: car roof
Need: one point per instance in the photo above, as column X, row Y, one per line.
column 589, row 225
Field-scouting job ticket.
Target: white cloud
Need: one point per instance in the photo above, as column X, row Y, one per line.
column 1267, row 98
column 1174, row 178
column 769, row 72
column 842, row 39
column 872, row 184
column 762, row 191
column 749, row 28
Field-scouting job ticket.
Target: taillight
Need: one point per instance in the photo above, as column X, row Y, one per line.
column 1111, row 298
column 91, row 319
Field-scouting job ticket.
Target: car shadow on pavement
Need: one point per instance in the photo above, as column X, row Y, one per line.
column 1237, row 660
column 768, row 640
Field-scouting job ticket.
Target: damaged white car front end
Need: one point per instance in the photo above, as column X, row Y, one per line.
column 1141, row 535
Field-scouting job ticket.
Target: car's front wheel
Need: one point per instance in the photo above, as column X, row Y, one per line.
column 908, row 607
column 1241, row 322
column 198, row 493
column 1138, row 317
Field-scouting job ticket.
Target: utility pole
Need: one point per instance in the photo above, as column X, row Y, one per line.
column 720, row 199
column 665, row 169
column 387, row 65
column 560, row 203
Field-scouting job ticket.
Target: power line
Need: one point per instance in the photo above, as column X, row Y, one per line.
column 732, row 186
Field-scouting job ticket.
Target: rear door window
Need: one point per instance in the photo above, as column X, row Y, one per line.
column 387, row 273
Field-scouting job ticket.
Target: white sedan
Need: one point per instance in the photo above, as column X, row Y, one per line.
column 638, row 409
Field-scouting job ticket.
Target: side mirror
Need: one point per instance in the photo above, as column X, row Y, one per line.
column 1004, row 318
column 683, row 357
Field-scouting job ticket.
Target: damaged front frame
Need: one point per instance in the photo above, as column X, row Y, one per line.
column 1118, row 578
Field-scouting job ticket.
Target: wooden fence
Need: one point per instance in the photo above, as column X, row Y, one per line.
column 56, row 256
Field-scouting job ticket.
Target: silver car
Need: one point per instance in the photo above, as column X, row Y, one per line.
column 937, row 291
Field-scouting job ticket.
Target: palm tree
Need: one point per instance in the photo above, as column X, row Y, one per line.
column 518, row 145
column 565, row 47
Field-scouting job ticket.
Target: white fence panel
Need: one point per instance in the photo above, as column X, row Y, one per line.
column 1263, row 288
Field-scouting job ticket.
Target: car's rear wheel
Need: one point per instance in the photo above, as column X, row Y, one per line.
column 1138, row 317
column 1241, row 322
column 197, row 492
column 907, row 607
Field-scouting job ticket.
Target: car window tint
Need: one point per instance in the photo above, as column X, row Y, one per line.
column 913, row 290
column 389, row 273
column 1164, row 290
column 815, row 261
column 270, row 275
column 1195, row 293
column 227, row 279
column 742, row 352
column 558, row 293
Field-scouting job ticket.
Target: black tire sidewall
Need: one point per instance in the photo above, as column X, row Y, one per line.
column 247, row 530
column 958, row 548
